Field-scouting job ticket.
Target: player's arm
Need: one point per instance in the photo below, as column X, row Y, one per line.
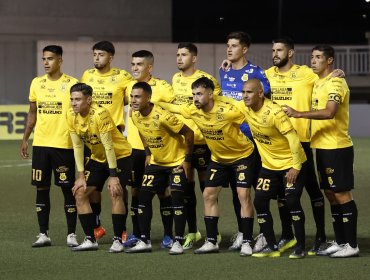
column 78, row 150
column 148, row 153
column 295, row 147
column 114, row 185
column 173, row 108
column 31, row 122
column 323, row 114
column 189, row 143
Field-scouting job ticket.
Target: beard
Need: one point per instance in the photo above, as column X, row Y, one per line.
column 282, row 62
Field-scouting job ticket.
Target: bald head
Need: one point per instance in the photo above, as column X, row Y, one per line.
column 253, row 94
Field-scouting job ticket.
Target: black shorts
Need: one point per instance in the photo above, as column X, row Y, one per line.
column 201, row 157
column 46, row 160
column 272, row 184
column 335, row 169
column 241, row 171
column 157, row 178
column 96, row 173
column 138, row 160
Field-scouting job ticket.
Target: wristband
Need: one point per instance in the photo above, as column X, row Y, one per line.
column 147, row 151
column 113, row 172
column 188, row 157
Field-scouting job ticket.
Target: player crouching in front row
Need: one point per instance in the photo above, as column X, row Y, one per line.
column 110, row 159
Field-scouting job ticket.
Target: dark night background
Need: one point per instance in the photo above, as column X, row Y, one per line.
column 306, row 21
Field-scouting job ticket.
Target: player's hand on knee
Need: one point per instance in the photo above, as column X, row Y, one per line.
column 79, row 183
column 114, row 187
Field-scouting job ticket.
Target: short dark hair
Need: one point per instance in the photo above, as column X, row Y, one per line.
column 203, row 82
column 189, row 46
column 54, row 49
column 144, row 54
column 287, row 41
column 104, row 46
column 82, row 87
column 242, row 36
column 144, row 86
column 327, row 50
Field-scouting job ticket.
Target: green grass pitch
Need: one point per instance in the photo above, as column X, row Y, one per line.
column 18, row 228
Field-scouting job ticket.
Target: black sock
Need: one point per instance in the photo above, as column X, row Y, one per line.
column 166, row 214
column 318, row 209
column 70, row 210
column 87, row 223
column 265, row 221
column 298, row 219
column 211, row 228
column 247, row 227
column 190, row 203
column 145, row 214
column 134, row 216
column 118, row 225
column 336, row 213
column 96, row 209
column 286, row 220
column 43, row 209
column 349, row 211
column 179, row 214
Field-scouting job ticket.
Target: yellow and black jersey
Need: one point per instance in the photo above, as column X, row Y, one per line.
column 294, row 88
column 109, row 90
column 184, row 95
column 269, row 126
column 220, row 128
column 90, row 129
column 160, row 129
column 52, row 101
column 332, row 133
column 161, row 92
column 182, row 86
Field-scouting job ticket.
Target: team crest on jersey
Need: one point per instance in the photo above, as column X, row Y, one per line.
column 201, row 161
column 219, row 117
column 289, row 185
column 176, row 179
column 62, row 176
column 293, row 75
column 244, row 77
column 63, row 87
column 330, row 181
column 100, row 81
column 113, row 78
column 241, row 176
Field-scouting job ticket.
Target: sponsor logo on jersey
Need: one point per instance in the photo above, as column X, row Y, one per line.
column 61, row 169
column 329, row 170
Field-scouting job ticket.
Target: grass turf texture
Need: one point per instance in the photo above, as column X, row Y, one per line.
column 18, row 228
